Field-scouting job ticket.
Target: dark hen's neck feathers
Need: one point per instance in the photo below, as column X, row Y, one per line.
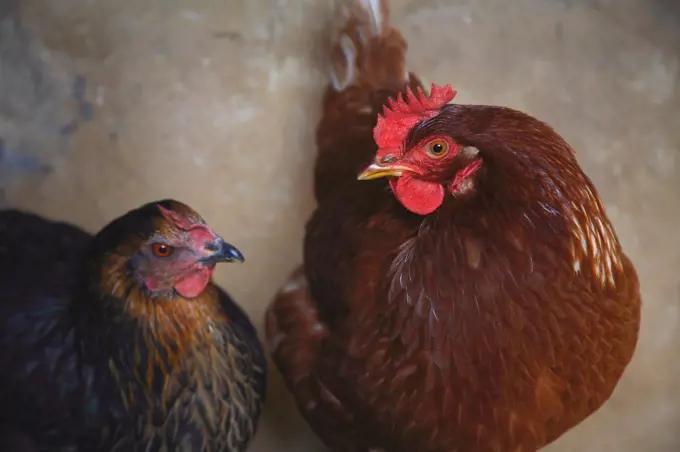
column 175, row 370
column 141, row 338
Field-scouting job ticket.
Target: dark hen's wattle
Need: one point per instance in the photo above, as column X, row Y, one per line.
column 82, row 369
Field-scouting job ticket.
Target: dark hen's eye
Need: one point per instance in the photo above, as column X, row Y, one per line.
column 437, row 148
column 161, row 250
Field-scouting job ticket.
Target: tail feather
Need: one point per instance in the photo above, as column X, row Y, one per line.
column 367, row 67
column 292, row 327
column 367, row 52
column 294, row 332
column 295, row 336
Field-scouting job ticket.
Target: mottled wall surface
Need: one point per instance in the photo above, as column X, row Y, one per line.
column 106, row 105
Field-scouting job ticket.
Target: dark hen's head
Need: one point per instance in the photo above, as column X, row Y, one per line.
column 149, row 300
column 430, row 149
column 163, row 249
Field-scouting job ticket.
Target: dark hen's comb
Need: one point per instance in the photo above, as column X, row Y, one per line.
column 182, row 221
column 400, row 115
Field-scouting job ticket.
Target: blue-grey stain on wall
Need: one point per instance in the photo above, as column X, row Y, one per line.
column 84, row 109
column 13, row 161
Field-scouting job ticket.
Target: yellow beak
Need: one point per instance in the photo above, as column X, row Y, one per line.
column 374, row 171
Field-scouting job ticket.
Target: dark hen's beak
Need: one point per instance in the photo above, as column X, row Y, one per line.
column 221, row 251
column 375, row 171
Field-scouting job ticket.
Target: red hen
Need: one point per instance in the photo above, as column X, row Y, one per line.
column 469, row 293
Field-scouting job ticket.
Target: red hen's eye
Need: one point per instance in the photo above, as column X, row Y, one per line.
column 437, row 148
column 161, row 250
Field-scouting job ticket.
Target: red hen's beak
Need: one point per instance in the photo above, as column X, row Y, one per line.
column 375, row 171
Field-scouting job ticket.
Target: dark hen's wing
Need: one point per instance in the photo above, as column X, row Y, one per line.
column 248, row 343
column 250, row 381
column 216, row 402
column 39, row 386
column 14, row 440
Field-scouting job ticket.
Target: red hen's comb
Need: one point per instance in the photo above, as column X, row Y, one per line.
column 399, row 116
column 439, row 96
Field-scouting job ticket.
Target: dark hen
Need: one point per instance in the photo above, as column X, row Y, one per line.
column 109, row 344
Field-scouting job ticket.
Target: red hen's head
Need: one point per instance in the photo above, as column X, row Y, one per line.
column 421, row 166
column 164, row 246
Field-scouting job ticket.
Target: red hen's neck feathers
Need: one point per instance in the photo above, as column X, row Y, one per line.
column 532, row 206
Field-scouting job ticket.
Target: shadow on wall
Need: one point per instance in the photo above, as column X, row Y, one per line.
column 668, row 9
column 38, row 104
column 6, row 8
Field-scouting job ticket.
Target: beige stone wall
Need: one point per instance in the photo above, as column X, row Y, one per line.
column 106, row 105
